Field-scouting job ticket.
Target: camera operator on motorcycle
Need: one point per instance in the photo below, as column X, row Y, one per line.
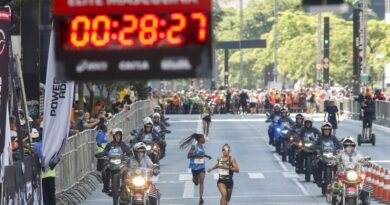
column 349, row 158
column 116, row 142
column 161, row 130
column 141, row 160
column 271, row 118
column 307, row 133
column 327, row 143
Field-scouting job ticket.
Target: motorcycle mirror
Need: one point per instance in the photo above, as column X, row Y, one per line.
column 267, row 113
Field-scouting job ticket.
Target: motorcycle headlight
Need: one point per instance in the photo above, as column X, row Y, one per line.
column 328, row 155
column 138, row 181
column 285, row 131
column 155, row 147
column 300, row 144
column 115, row 161
column 278, row 129
column 148, row 147
column 352, row 176
column 309, row 144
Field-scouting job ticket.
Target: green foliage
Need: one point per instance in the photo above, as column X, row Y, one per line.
column 297, row 43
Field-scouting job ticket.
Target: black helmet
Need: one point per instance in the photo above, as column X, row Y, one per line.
column 284, row 109
column 299, row 116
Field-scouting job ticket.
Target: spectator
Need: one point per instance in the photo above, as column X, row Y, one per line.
column 84, row 122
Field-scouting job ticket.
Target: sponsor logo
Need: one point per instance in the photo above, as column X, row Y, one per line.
column 86, row 65
column 174, row 64
column 134, row 65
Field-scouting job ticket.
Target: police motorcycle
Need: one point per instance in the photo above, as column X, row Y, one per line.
column 116, row 164
column 349, row 186
column 273, row 127
column 307, row 150
column 153, row 149
column 281, row 138
column 138, row 187
column 292, row 146
column 328, row 159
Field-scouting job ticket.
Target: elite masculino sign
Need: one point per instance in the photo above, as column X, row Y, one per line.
column 124, row 39
column 56, row 119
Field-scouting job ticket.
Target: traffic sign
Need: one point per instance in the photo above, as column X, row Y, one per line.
column 114, row 39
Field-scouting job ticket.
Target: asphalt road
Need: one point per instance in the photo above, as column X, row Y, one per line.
column 263, row 178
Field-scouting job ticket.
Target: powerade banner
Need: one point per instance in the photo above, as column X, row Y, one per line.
column 5, row 39
column 57, row 112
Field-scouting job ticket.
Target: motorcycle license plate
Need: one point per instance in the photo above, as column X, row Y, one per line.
column 223, row 172
column 199, row 161
column 351, row 190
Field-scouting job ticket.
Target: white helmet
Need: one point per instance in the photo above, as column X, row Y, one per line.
column 147, row 121
column 139, row 146
column 157, row 107
column 156, row 115
column 116, row 130
column 349, row 141
column 309, row 119
column 34, row 133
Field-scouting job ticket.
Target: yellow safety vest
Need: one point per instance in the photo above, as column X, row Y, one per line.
column 100, row 149
column 48, row 173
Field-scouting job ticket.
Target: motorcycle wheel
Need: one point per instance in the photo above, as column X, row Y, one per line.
column 359, row 139
column 277, row 146
column 284, row 154
column 308, row 167
column 350, row 201
column 115, row 189
column 373, row 139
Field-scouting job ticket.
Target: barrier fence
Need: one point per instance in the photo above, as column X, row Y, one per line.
column 78, row 159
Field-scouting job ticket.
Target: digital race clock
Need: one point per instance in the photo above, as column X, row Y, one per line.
column 122, row 39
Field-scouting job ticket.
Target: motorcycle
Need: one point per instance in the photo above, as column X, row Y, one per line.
column 292, row 147
column 306, row 153
column 281, row 138
column 350, row 187
column 153, row 149
column 273, row 128
column 116, row 165
column 328, row 159
column 139, row 189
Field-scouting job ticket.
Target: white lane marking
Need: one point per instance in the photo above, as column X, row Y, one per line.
column 199, row 126
column 239, row 196
column 280, row 162
column 256, row 175
column 301, row 187
column 381, row 161
column 185, row 177
column 188, row 190
column 290, row 175
column 155, row 179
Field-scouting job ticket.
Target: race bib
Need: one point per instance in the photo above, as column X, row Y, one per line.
column 223, row 172
column 199, row 160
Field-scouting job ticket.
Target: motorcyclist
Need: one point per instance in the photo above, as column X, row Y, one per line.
column 296, row 131
column 310, row 132
column 141, row 160
column 349, row 158
column 285, row 118
column 157, row 109
column 326, row 142
column 147, row 133
column 116, row 142
column 271, row 117
column 297, row 127
column 159, row 128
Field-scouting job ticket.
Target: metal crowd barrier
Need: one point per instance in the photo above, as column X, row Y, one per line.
column 351, row 108
column 78, row 159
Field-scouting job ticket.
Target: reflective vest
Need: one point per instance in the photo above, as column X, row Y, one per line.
column 100, row 149
column 48, row 173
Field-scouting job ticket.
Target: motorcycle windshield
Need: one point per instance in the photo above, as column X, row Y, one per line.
column 308, row 137
column 115, row 152
column 276, row 119
column 148, row 139
column 286, row 124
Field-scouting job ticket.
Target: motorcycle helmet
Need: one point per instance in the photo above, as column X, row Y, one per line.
column 348, row 141
column 309, row 120
column 139, row 147
column 276, row 107
column 148, row 121
column 284, row 111
column 326, row 126
column 117, row 130
column 156, row 115
column 157, row 108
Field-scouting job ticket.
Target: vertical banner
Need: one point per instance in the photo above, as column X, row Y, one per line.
column 6, row 156
column 57, row 111
column 5, row 39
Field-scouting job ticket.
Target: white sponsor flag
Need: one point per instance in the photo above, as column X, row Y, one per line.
column 56, row 117
column 6, row 157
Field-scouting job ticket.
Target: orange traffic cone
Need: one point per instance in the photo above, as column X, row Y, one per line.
column 368, row 179
column 387, row 187
column 381, row 183
column 375, row 181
